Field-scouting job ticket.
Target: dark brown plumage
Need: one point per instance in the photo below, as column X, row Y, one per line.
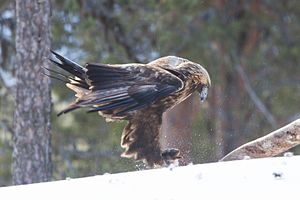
column 138, row 93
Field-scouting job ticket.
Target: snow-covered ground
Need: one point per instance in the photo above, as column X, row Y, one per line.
column 268, row 178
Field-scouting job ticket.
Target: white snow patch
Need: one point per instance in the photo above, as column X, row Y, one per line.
column 269, row 178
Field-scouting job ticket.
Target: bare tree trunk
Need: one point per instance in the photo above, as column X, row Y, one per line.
column 32, row 147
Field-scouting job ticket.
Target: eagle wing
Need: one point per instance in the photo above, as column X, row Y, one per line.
column 116, row 90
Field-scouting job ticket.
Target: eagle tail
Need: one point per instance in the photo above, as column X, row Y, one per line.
column 77, row 81
column 69, row 66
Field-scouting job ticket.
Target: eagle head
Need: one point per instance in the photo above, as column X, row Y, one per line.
column 204, row 85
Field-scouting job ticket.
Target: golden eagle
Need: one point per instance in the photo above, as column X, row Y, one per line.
column 138, row 93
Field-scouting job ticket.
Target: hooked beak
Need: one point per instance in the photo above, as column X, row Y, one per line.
column 203, row 93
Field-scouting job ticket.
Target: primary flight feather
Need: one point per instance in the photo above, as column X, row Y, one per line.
column 138, row 93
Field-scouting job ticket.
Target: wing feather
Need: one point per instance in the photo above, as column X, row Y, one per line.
column 123, row 89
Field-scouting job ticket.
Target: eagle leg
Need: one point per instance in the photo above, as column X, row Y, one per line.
column 170, row 156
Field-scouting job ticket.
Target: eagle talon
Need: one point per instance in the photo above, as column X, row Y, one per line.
column 171, row 156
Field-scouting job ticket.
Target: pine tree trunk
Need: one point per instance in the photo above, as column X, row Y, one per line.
column 32, row 147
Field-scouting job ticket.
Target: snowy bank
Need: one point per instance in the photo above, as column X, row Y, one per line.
column 270, row 178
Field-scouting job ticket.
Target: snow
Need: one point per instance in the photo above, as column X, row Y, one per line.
column 269, row 178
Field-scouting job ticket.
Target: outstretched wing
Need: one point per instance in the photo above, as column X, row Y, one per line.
column 120, row 89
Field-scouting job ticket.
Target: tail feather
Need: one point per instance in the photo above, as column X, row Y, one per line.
column 77, row 81
column 70, row 108
column 54, row 77
column 73, row 68
column 69, row 66
column 80, row 92
column 58, row 76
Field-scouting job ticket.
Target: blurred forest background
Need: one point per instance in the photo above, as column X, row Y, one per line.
column 250, row 48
